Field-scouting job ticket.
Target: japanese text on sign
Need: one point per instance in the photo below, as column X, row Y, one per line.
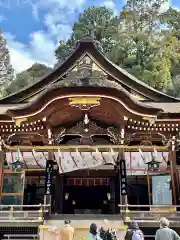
column 123, row 179
column 49, row 177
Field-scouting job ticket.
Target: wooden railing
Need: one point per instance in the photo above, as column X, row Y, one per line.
column 24, row 213
column 21, row 236
column 151, row 213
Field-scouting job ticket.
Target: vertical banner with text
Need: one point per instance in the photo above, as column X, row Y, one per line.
column 49, row 177
column 123, row 177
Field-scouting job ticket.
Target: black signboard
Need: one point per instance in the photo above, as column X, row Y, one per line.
column 123, row 177
column 49, row 177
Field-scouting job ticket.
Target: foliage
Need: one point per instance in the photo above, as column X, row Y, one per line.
column 38, row 70
column 27, row 77
column 97, row 22
column 6, row 70
column 172, row 19
column 144, row 40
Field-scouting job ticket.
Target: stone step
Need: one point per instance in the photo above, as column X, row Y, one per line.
column 80, row 220
column 82, row 227
column 117, row 224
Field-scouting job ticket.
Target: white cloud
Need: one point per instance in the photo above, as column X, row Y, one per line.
column 21, row 59
column 71, row 4
column 58, row 24
column 40, row 49
column 57, row 21
column 42, row 44
column 109, row 4
column 43, row 47
column 165, row 6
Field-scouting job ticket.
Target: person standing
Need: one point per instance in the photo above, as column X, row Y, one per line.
column 64, row 233
column 93, row 232
column 166, row 233
column 133, row 232
column 67, row 232
column 107, row 233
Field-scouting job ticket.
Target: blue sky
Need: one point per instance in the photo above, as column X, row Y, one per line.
column 33, row 28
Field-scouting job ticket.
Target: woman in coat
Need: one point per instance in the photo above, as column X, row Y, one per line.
column 93, row 232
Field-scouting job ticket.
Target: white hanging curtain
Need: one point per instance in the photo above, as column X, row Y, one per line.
column 71, row 161
column 136, row 162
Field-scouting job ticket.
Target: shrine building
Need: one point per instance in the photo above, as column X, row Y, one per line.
column 90, row 138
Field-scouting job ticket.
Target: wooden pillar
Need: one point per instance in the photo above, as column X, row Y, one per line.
column 59, row 193
column 112, row 196
column 117, row 188
column 149, row 188
column 123, row 196
column 49, row 180
column 48, row 196
column 122, row 180
column 174, row 180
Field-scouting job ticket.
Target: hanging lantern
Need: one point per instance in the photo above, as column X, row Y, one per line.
column 153, row 165
column 66, row 196
column 109, row 196
column 17, row 165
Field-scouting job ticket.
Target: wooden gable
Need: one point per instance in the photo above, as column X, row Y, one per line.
column 86, row 50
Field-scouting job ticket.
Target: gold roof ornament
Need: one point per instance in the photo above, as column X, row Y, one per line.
column 19, row 121
column 84, row 103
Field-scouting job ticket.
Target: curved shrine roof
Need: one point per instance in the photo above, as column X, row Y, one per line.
column 87, row 46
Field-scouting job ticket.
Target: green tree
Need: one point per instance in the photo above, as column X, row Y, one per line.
column 172, row 20
column 38, row 70
column 151, row 50
column 98, row 22
column 63, row 50
column 27, row 77
column 142, row 40
column 6, row 70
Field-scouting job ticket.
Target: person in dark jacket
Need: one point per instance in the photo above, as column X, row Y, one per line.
column 93, row 233
column 109, row 234
column 133, row 229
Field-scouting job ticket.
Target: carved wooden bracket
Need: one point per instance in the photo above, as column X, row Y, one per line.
column 87, row 131
column 147, row 139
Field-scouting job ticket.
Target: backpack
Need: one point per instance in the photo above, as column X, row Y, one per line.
column 111, row 235
column 108, row 235
column 137, row 235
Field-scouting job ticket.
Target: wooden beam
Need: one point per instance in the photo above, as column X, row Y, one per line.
column 86, row 148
